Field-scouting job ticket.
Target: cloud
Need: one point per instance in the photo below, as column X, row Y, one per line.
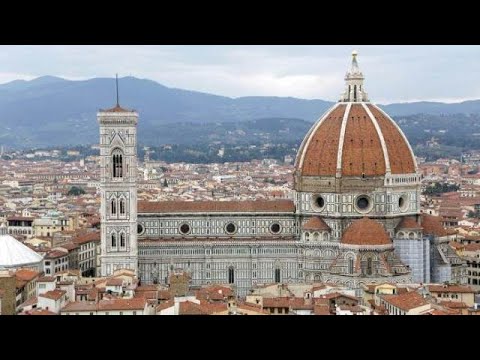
column 393, row 73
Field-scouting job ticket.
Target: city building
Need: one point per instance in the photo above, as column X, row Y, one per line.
column 354, row 217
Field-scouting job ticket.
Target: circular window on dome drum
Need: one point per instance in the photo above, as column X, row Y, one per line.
column 363, row 204
column 403, row 203
column 185, row 228
column 230, row 228
column 140, row 229
column 318, row 203
column 275, row 228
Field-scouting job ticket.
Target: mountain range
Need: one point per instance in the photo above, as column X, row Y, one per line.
column 54, row 111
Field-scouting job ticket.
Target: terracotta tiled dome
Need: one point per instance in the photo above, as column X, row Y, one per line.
column 355, row 138
column 366, row 232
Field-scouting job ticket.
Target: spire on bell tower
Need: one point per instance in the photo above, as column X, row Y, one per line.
column 354, row 90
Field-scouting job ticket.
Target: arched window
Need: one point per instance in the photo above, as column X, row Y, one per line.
column 277, row 275
column 122, row 207
column 354, row 93
column 350, row 266
column 122, row 240
column 114, row 240
column 117, row 164
column 113, row 206
column 369, row 266
column 231, row 275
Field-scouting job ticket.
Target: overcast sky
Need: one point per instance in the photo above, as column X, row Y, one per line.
column 393, row 73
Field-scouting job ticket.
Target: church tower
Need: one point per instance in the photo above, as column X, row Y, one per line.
column 118, row 178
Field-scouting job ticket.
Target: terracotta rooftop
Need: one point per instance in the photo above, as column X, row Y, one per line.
column 70, row 246
column 454, row 304
column 40, row 312
column 114, row 282
column 366, row 232
column 46, row 279
column 432, row 225
column 406, row 301
column 53, row 294
column 87, row 237
column 216, row 206
column 80, row 306
column 316, row 223
column 54, row 254
column 122, row 304
column 362, row 151
column 450, row 289
column 354, row 308
column 408, row 222
column 20, row 218
column 472, row 247
column 165, row 305
column 26, row 274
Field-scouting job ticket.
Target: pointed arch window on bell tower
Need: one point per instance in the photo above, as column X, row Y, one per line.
column 113, row 206
column 114, row 240
column 122, row 207
column 117, row 164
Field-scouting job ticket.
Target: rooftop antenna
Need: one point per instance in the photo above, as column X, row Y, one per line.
column 116, row 77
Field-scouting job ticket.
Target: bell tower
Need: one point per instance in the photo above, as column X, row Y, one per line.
column 118, row 179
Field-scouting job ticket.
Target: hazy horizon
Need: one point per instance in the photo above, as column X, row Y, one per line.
column 392, row 73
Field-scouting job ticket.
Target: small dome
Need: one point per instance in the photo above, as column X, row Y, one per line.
column 14, row 254
column 316, row 223
column 366, row 232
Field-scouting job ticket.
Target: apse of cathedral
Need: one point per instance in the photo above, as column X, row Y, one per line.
column 354, row 216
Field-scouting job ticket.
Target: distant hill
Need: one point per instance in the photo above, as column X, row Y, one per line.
column 54, row 111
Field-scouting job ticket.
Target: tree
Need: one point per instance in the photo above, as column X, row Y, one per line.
column 75, row 191
column 165, row 184
column 473, row 214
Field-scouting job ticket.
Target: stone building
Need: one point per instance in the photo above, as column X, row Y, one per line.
column 354, row 217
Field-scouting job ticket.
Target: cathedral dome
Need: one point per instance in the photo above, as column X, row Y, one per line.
column 355, row 139
column 365, row 232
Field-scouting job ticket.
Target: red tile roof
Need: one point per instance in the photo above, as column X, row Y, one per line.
column 316, row 223
column 53, row 294
column 54, row 254
column 87, row 237
column 216, row 206
column 408, row 222
column 401, row 159
column 472, row 247
column 40, row 312
column 114, row 282
column 26, row 274
column 432, row 225
column 454, row 304
column 75, row 306
column 320, row 156
column 406, row 301
column 450, row 289
column 165, row 305
column 46, row 279
column 366, row 232
column 122, row 304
